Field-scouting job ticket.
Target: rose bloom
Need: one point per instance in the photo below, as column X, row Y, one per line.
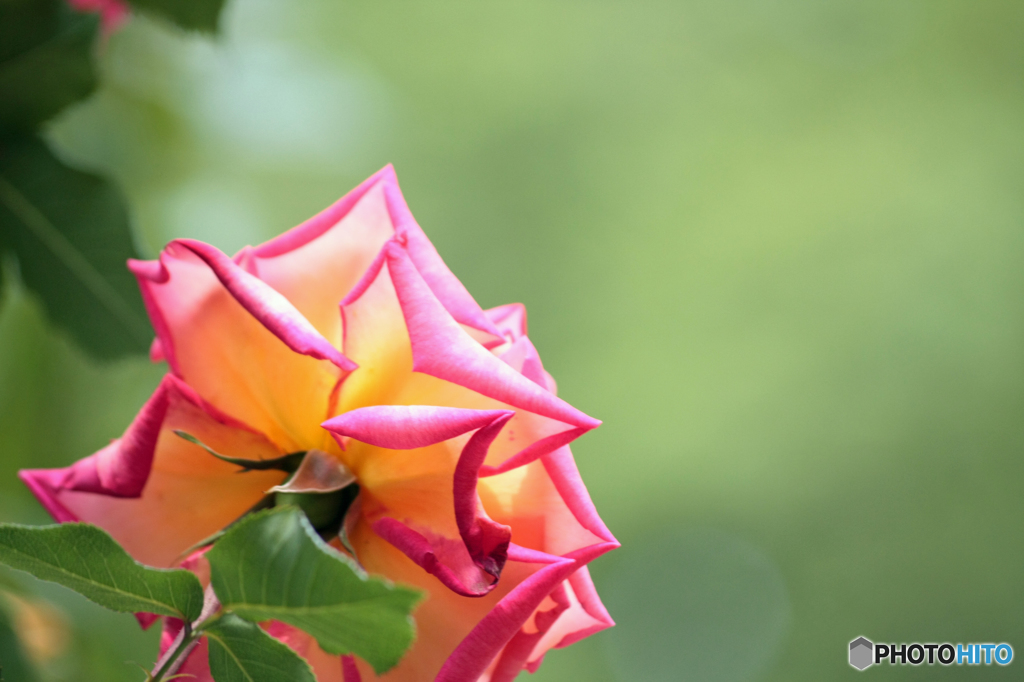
column 348, row 334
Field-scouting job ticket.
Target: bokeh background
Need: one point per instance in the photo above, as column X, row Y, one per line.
column 776, row 245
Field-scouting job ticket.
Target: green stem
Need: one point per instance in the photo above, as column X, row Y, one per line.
column 186, row 642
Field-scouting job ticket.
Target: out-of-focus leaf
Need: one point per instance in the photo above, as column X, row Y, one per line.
column 87, row 560
column 70, row 232
column 241, row 652
column 13, row 666
column 45, row 60
column 198, row 15
column 273, row 566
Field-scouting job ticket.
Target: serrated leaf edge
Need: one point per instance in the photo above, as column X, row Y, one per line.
column 163, row 609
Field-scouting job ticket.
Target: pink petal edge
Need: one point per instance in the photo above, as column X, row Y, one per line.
column 452, row 294
column 309, row 230
column 486, row 641
column 268, row 306
column 448, row 289
column 121, row 469
column 444, row 350
column 349, row 669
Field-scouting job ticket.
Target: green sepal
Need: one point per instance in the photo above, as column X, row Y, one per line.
column 288, row 463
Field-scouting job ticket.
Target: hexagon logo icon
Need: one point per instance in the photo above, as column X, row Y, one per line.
column 861, row 650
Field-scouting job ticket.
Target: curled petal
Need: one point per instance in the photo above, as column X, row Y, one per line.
column 472, row 567
column 268, row 306
column 442, row 349
column 439, row 557
column 565, row 476
column 446, row 286
column 533, row 452
column 402, row 427
column 236, row 362
column 523, row 357
column 490, row 636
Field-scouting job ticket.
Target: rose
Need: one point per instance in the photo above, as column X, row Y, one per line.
column 442, row 411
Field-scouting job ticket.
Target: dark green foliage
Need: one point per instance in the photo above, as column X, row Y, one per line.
column 325, row 511
column 72, row 237
column 45, row 60
column 273, row 566
column 69, row 229
column 198, row 15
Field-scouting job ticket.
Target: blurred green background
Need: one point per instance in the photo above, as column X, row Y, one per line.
column 776, row 245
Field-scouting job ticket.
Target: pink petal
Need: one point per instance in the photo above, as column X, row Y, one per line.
column 516, row 654
column 487, row 640
column 561, row 467
column 534, row 452
column 523, row 357
column 438, row 557
column 349, row 669
column 442, row 349
column 315, row 264
column 156, row 351
column 403, row 427
column 309, row 231
column 527, row 500
column 509, row 318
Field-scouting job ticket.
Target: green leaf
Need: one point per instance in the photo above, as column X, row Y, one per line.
column 242, row 652
column 273, row 566
column 197, row 15
column 90, row 562
column 71, row 235
column 45, row 60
